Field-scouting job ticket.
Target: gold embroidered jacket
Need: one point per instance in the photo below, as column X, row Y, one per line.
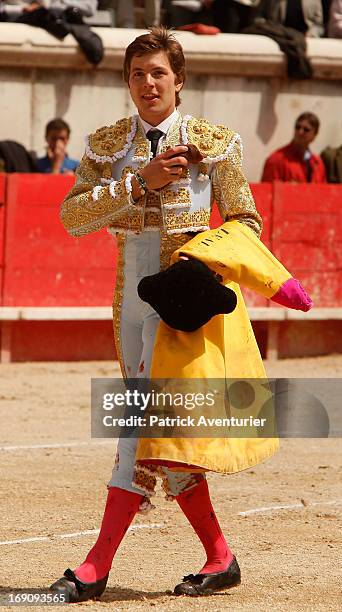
column 101, row 196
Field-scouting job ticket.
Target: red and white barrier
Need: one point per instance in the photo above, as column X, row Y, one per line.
column 56, row 291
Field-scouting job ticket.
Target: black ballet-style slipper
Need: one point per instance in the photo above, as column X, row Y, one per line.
column 75, row 590
column 208, row 584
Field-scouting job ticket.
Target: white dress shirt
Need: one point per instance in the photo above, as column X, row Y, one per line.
column 164, row 126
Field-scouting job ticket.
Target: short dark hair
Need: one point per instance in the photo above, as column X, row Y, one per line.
column 310, row 118
column 158, row 39
column 57, row 124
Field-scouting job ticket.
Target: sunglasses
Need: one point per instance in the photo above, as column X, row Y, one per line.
column 303, row 127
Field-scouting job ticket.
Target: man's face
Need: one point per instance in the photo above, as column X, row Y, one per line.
column 304, row 133
column 153, row 86
column 57, row 138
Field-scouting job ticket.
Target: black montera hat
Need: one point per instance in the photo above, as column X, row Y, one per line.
column 186, row 295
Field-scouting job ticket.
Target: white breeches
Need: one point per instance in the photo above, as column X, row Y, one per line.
column 139, row 324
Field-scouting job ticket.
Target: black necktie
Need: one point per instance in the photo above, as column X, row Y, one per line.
column 154, row 136
column 309, row 170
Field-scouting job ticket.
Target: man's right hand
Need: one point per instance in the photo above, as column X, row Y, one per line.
column 56, row 155
column 165, row 168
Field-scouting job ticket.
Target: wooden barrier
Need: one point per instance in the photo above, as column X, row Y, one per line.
column 2, row 230
column 56, row 290
column 307, row 237
column 55, row 333
column 44, row 265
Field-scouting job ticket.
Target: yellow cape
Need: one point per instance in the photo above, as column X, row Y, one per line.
column 224, row 348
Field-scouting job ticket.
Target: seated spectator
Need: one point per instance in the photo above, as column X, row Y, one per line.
column 12, row 9
column 305, row 16
column 59, row 18
column 295, row 162
column 180, row 13
column 232, row 15
column 56, row 161
column 335, row 20
column 14, row 157
column 125, row 11
column 86, row 8
column 332, row 159
column 326, row 10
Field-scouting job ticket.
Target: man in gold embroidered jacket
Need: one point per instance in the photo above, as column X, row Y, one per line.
column 153, row 200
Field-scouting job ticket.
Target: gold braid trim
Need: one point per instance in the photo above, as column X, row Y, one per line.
column 169, row 243
column 117, row 302
column 232, row 192
column 213, row 141
column 111, row 141
column 82, row 213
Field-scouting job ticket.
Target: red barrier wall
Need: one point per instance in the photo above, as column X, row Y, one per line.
column 307, row 237
column 40, row 265
column 44, row 265
column 2, row 230
column 62, row 341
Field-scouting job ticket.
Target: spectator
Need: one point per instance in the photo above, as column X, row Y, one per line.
column 12, row 9
column 86, row 8
column 305, row 16
column 332, row 159
column 15, row 158
column 56, row 161
column 125, row 14
column 335, row 20
column 180, row 13
column 326, row 10
column 229, row 16
column 59, row 18
column 232, row 15
column 295, row 162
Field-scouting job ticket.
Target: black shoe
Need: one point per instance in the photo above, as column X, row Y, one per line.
column 75, row 590
column 207, row 584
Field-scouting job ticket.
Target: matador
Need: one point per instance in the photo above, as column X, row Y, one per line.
column 136, row 180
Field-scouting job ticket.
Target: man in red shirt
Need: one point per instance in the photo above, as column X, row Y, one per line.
column 295, row 162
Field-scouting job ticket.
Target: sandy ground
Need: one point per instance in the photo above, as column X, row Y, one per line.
column 290, row 557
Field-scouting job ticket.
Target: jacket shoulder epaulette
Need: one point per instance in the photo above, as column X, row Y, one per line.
column 214, row 142
column 112, row 142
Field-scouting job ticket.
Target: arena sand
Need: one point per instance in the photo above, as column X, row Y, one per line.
column 290, row 558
